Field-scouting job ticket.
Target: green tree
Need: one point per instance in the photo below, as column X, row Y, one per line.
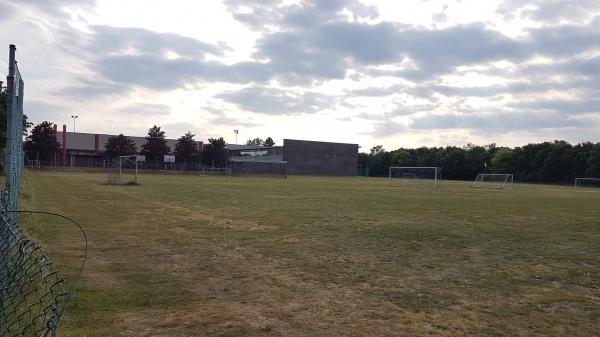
column 119, row 146
column 454, row 164
column 215, row 152
column 255, row 141
column 476, row 160
column 502, row 161
column 186, row 149
column 377, row 150
column 593, row 165
column 401, row 157
column 42, row 143
column 269, row 142
column 156, row 144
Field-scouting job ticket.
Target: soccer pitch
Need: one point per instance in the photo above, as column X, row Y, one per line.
column 317, row 256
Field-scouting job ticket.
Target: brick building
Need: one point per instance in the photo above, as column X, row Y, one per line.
column 87, row 149
column 301, row 157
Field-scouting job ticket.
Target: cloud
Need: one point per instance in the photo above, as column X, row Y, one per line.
column 6, row 11
column 138, row 41
column 308, row 54
column 562, row 106
column 146, row 109
column 223, row 119
column 278, row 102
column 377, row 91
column 264, row 14
column 549, row 11
column 507, row 121
column 87, row 89
column 387, row 128
column 177, row 129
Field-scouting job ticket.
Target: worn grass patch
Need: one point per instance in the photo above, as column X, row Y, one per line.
column 315, row 256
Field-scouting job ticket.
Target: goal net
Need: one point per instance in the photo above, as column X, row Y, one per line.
column 214, row 171
column 123, row 171
column 493, row 180
column 421, row 177
column 587, row 182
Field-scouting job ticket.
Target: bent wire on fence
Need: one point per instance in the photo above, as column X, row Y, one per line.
column 83, row 232
column 32, row 293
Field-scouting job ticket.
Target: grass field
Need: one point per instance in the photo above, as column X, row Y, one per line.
column 314, row 256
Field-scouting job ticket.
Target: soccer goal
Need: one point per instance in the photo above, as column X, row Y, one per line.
column 123, row 171
column 493, row 180
column 214, row 171
column 421, row 177
column 587, row 182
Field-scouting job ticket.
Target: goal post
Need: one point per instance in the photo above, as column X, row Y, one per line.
column 587, row 182
column 493, row 180
column 123, row 170
column 414, row 176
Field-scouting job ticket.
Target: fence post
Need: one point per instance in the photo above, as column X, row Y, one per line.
column 10, row 131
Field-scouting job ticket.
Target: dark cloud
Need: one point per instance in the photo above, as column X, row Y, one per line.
column 146, row 109
column 278, row 102
column 143, row 42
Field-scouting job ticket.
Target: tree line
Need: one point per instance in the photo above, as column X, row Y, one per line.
column 546, row 162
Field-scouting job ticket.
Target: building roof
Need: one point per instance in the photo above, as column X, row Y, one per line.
column 252, row 160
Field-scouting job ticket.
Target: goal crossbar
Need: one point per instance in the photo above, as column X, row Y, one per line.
column 580, row 182
column 493, row 180
column 413, row 175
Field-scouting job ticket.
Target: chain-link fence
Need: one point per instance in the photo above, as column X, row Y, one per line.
column 32, row 293
column 13, row 163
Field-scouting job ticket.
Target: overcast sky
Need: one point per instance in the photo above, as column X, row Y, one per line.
column 398, row 73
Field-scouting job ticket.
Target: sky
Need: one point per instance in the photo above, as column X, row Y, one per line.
column 397, row 73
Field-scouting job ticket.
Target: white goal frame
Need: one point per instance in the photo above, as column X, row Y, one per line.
column 413, row 175
column 579, row 180
column 498, row 180
column 121, row 160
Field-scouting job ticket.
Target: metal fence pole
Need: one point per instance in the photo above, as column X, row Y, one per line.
column 10, row 112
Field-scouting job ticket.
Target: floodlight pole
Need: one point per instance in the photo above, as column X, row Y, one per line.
column 236, row 134
column 74, row 118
